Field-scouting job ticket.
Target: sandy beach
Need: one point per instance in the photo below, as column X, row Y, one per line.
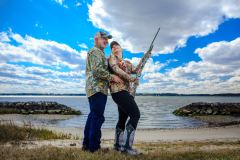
column 156, row 135
column 231, row 132
column 173, row 140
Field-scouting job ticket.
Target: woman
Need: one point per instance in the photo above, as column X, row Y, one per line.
column 127, row 106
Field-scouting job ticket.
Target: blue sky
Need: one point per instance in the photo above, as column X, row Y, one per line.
column 44, row 43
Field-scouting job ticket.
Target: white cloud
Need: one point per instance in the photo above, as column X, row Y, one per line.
column 4, row 37
column 217, row 72
column 56, row 67
column 61, row 2
column 78, row 4
column 150, row 66
column 133, row 23
column 39, row 51
column 83, row 46
column 20, row 78
column 227, row 53
column 37, row 25
column 65, row 6
column 10, row 85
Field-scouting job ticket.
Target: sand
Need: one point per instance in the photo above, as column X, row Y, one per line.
column 209, row 138
column 143, row 135
column 156, row 135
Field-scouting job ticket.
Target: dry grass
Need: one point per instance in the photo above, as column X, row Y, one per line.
column 54, row 153
column 205, row 150
column 12, row 132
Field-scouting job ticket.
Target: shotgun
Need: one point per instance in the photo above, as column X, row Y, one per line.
column 133, row 85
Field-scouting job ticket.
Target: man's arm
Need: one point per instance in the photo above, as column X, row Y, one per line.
column 97, row 67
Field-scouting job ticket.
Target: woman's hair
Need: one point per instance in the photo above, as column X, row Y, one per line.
column 114, row 43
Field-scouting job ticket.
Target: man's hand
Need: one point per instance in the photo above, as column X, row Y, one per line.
column 116, row 79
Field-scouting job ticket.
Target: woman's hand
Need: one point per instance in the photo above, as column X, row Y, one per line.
column 122, row 65
column 116, row 79
column 133, row 79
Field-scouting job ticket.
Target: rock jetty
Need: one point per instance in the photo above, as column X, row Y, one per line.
column 202, row 109
column 42, row 107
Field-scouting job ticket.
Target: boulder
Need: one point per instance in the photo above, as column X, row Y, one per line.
column 203, row 108
column 32, row 107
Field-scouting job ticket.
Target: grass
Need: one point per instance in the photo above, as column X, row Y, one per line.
column 181, row 150
column 12, row 132
column 54, row 153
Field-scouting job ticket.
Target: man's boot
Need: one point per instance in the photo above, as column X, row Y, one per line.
column 118, row 139
column 129, row 134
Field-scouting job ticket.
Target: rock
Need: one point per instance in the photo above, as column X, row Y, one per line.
column 198, row 111
column 209, row 111
column 41, row 107
column 215, row 112
column 186, row 111
column 202, row 108
column 73, row 144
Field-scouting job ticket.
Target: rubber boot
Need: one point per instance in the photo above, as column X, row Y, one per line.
column 129, row 134
column 118, row 139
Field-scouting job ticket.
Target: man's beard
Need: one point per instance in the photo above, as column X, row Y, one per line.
column 102, row 46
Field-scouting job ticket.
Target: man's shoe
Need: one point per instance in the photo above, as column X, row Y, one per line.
column 84, row 148
column 105, row 150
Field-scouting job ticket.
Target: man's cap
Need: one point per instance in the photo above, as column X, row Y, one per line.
column 114, row 43
column 103, row 35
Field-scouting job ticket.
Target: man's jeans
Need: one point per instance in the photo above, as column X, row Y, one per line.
column 92, row 131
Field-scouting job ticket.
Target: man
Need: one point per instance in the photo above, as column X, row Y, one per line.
column 97, row 82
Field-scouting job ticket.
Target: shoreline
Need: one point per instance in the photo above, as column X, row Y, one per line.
column 199, row 133
column 143, row 135
column 168, row 135
column 147, row 140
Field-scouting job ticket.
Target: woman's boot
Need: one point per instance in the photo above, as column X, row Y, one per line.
column 118, row 139
column 129, row 134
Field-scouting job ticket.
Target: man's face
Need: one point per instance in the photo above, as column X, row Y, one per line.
column 102, row 42
column 116, row 49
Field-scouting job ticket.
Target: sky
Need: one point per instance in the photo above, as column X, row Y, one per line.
column 44, row 43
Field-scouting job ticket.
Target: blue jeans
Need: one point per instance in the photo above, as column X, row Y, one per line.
column 92, row 130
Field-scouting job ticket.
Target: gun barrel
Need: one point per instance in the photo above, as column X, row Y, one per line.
column 155, row 36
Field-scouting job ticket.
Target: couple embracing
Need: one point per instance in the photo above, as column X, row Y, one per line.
column 113, row 73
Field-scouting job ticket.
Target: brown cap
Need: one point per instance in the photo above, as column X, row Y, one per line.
column 103, row 35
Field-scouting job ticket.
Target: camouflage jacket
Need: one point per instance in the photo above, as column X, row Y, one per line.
column 123, row 73
column 97, row 74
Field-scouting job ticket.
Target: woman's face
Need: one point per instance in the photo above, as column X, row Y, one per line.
column 117, row 50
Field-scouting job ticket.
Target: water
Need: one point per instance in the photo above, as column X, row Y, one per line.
column 156, row 112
